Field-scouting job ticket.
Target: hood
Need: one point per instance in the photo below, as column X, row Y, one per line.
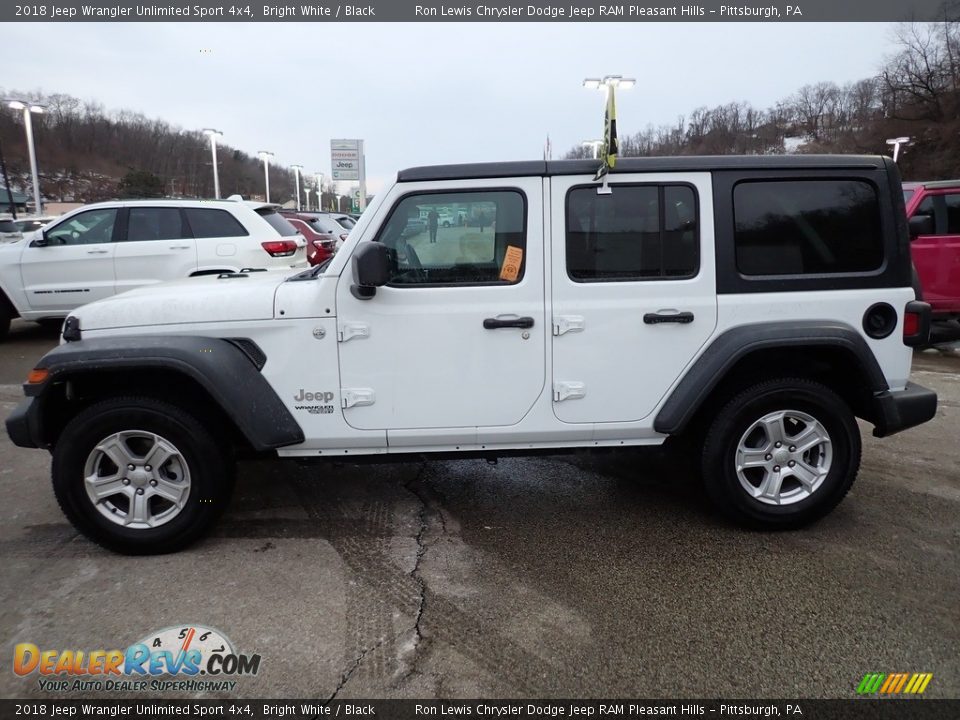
column 194, row 300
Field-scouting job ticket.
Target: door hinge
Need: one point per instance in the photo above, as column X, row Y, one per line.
column 568, row 323
column 348, row 331
column 569, row 391
column 355, row 397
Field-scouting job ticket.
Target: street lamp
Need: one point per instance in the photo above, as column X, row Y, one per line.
column 28, row 108
column 320, row 179
column 213, row 135
column 265, row 155
column 296, row 171
column 594, row 145
column 609, row 81
column 897, row 143
column 306, row 191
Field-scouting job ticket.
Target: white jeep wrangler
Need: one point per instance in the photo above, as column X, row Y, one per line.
column 756, row 304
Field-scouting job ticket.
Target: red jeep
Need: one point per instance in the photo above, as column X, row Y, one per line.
column 933, row 210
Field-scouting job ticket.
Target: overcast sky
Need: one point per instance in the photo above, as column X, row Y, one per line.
column 427, row 93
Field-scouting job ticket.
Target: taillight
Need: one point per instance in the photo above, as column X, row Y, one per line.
column 280, row 248
column 916, row 323
column 911, row 324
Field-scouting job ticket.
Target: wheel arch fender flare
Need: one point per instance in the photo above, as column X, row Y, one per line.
column 727, row 349
column 228, row 369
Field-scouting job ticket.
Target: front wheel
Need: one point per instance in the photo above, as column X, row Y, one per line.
column 781, row 454
column 140, row 476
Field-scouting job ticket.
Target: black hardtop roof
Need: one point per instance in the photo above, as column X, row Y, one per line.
column 688, row 163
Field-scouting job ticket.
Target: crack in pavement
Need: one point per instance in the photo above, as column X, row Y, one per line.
column 421, row 551
column 345, row 676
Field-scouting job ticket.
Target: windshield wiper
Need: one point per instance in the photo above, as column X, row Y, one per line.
column 311, row 273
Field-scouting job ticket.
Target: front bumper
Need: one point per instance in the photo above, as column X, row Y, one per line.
column 23, row 425
column 898, row 410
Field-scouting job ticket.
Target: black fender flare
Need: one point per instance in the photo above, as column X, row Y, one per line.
column 227, row 368
column 738, row 342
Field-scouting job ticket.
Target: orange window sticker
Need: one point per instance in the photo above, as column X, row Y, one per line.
column 510, row 270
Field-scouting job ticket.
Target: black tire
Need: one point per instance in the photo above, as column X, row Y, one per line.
column 736, row 418
column 5, row 317
column 210, row 466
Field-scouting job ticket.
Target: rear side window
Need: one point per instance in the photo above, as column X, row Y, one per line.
column 211, row 223
column 155, row 224
column 277, row 221
column 637, row 232
column 953, row 214
column 807, row 227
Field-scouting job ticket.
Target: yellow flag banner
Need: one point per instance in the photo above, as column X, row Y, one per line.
column 608, row 157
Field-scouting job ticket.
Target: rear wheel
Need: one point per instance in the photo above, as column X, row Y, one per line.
column 781, row 454
column 5, row 317
column 140, row 476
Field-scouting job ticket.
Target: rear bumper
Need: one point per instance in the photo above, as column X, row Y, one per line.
column 898, row 410
column 23, row 425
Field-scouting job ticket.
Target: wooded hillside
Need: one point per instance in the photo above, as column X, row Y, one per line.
column 916, row 93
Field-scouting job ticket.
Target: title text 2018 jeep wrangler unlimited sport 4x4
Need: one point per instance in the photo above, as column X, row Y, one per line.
column 759, row 304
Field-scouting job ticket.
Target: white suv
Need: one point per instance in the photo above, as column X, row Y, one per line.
column 753, row 306
column 98, row 251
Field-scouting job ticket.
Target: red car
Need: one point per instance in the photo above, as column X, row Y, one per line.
column 933, row 210
column 320, row 245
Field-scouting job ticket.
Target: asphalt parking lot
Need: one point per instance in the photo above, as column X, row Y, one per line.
column 562, row 576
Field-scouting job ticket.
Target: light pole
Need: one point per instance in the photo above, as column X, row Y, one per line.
column 296, row 172
column 28, row 108
column 213, row 135
column 897, row 143
column 319, row 190
column 265, row 155
column 594, row 146
column 609, row 84
column 306, row 191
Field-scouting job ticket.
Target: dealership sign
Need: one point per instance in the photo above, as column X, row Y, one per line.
column 346, row 158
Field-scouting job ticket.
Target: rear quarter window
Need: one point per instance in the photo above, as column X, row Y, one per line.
column 277, row 221
column 212, row 223
column 807, row 227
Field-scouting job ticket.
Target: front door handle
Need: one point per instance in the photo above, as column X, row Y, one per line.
column 508, row 322
column 671, row 317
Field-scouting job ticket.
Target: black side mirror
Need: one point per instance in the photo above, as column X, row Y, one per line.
column 920, row 225
column 371, row 269
column 41, row 241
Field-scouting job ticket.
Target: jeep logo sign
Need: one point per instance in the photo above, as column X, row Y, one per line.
column 318, row 396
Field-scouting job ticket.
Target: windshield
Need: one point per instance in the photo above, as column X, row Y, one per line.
column 8, row 226
column 345, row 220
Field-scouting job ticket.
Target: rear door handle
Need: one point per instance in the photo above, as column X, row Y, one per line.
column 97, row 252
column 665, row 317
column 508, row 322
column 179, row 247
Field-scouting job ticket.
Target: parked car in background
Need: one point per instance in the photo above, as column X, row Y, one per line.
column 104, row 249
column 933, row 210
column 324, row 222
column 28, row 225
column 9, row 231
column 320, row 245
